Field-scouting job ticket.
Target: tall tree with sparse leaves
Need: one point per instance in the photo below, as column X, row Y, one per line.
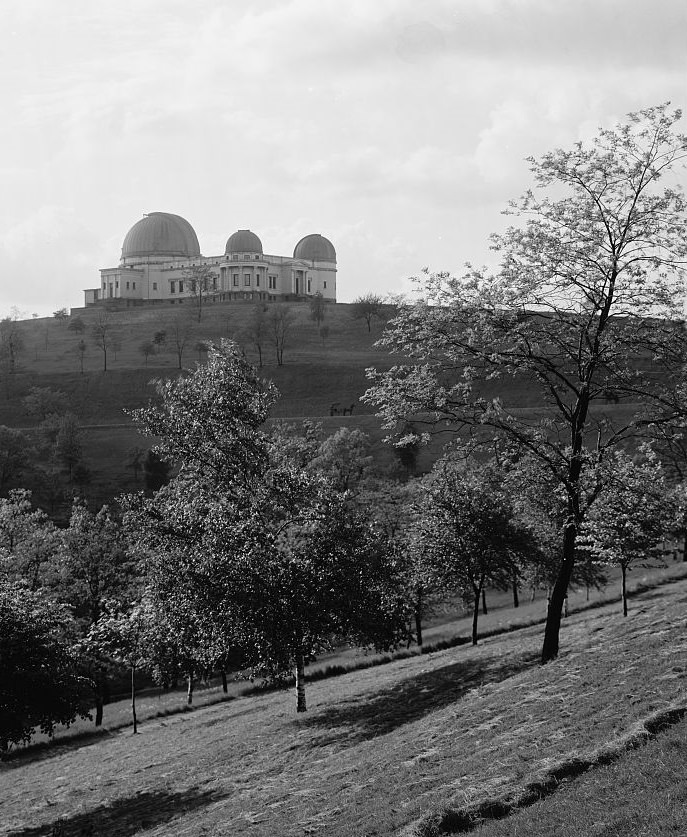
column 586, row 309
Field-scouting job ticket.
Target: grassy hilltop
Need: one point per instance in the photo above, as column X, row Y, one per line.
column 317, row 375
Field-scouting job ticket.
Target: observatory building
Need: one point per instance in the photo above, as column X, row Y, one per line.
column 161, row 260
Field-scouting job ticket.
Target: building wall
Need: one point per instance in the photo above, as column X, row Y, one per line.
column 237, row 276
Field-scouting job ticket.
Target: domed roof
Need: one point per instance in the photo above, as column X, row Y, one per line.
column 161, row 234
column 315, row 247
column 243, row 241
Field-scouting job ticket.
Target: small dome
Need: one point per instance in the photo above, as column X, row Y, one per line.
column 161, row 234
column 243, row 241
column 315, row 248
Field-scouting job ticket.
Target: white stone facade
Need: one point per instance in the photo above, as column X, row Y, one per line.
column 161, row 251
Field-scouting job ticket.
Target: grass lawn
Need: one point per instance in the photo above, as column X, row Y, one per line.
column 644, row 794
column 381, row 751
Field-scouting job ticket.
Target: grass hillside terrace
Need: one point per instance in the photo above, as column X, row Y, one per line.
column 442, row 743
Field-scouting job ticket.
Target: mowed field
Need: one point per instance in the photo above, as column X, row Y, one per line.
column 410, row 748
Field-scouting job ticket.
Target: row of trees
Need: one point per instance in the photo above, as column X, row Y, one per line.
column 268, row 547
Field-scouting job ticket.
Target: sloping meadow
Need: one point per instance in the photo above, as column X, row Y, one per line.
column 418, row 747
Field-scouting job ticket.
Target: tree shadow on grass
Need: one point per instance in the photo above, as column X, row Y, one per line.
column 369, row 715
column 124, row 817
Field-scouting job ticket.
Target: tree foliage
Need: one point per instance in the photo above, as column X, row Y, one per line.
column 245, row 538
column 470, row 530
column 15, row 457
column 629, row 520
column 318, row 308
column 29, row 542
column 368, row 307
column 585, row 309
column 40, row 685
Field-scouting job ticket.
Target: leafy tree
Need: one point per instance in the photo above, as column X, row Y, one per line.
column 266, row 552
column 368, row 307
column 318, row 308
column 280, row 325
column 470, row 531
column 397, row 510
column 81, row 349
column 177, row 334
column 155, row 471
column 29, row 542
column 201, row 282
column 42, row 402
column 15, row 450
column 147, row 349
column 77, row 325
column 11, row 343
column 40, row 685
column 125, row 638
column 61, row 315
column 103, row 334
column 630, row 518
column 256, row 330
column 135, row 461
column 67, row 447
column 95, row 568
column 586, row 309
column 344, row 458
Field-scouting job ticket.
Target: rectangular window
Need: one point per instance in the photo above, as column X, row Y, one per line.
column 127, row 286
column 324, row 284
column 257, row 281
column 133, row 286
column 246, row 279
column 117, row 284
column 235, row 280
column 235, row 257
column 181, row 287
column 309, row 287
column 104, row 285
column 154, row 286
column 257, row 258
column 172, row 287
column 272, row 283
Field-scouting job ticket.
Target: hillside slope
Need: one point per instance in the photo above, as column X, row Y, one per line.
column 382, row 751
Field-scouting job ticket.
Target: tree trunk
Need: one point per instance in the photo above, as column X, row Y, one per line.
column 566, row 612
column 189, row 690
column 484, row 602
column 225, row 688
column 418, row 626
column 300, row 682
column 475, row 615
column 98, row 708
column 516, row 597
column 623, row 587
column 133, row 698
column 102, row 694
column 558, row 595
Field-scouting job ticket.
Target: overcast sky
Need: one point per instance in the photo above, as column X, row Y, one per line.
column 396, row 128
